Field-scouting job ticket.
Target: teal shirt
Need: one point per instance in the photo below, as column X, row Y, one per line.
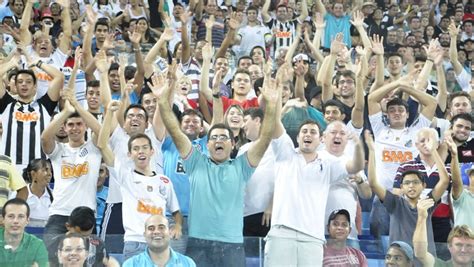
column 217, row 197
column 31, row 250
column 336, row 25
column 143, row 260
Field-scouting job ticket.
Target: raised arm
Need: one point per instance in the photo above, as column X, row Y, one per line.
column 185, row 47
column 65, row 36
column 453, row 50
column 234, row 24
column 428, row 101
column 420, row 236
column 158, row 82
column 139, row 76
column 300, row 72
column 443, row 182
column 283, row 73
column 257, row 150
column 155, row 50
column 198, row 10
column 442, row 96
column 457, row 186
column 320, row 7
column 48, row 142
column 294, row 45
column 105, row 132
column 357, row 115
column 206, row 65
column 358, row 160
column 375, row 97
column 4, row 67
column 376, row 187
column 182, row 142
column 217, row 104
column 327, row 69
column 378, row 50
column 304, row 11
column 103, row 68
column 87, row 42
column 265, row 16
column 358, row 22
column 25, row 34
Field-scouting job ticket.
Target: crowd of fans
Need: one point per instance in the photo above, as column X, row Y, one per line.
column 186, row 125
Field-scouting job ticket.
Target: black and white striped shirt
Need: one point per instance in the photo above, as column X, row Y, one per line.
column 23, row 124
column 284, row 34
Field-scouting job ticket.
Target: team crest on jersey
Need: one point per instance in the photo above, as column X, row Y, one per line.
column 164, row 179
column 83, row 152
column 149, row 188
column 199, row 147
column 163, row 190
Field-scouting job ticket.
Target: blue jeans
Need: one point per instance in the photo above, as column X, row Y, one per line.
column 132, row 248
column 179, row 245
column 53, row 231
column 207, row 253
column 379, row 219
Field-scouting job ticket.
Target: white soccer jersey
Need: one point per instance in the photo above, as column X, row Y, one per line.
column 76, row 171
column 301, row 189
column 259, row 189
column 143, row 196
column 393, row 147
column 119, row 145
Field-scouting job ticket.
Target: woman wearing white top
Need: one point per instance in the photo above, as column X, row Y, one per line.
column 38, row 175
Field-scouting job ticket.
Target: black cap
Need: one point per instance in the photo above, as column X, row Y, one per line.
column 339, row 212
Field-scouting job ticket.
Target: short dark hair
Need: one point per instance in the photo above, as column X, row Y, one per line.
column 15, row 201
column 333, row 103
column 243, row 71
column 73, row 235
column 191, row 112
column 73, row 115
column 220, row 126
column 129, row 72
column 345, row 73
column 311, row 122
column 93, row 83
column 135, row 106
column 113, row 66
column 137, row 136
column 461, row 116
column 254, row 113
column 452, row 96
column 82, row 217
column 28, row 72
column 394, row 54
column 415, row 172
column 252, row 7
column 420, row 58
column 103, row 22
column 397, row 102
column 242, row 58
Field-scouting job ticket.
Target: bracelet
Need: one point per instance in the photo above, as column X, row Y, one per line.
column 217, row 95
column 361, row 181
column 39, row 63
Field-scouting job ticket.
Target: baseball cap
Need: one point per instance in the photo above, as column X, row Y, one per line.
column 404, row 247
column 301, row 56
column 369, row 4
column 46, row 14
column 333, row 215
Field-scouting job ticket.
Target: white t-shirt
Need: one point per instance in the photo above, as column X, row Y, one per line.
column 76, row 172
column 393, row 147
column 259, row 189
column 464, row 80
column 252, row 36
column 119, row 144
column 143, row 196
column 57, row 59
column 301, row 189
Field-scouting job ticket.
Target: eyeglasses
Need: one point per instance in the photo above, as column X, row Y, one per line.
column 219, row 137
column 414, row 182
column 70, row 250
column 346, row 82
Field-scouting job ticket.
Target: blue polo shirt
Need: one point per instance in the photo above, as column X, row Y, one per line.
column 217, row 196
column 173, row 168
column 143, row 260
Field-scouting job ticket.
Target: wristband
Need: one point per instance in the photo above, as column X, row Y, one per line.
column 429, row 59
column 361, row 181
column 39, row 63
column 217, row 95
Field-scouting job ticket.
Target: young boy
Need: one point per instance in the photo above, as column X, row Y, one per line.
column 144, row 191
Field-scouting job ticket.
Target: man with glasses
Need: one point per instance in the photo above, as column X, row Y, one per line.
column 403, row 209
column 218, row 184
column 17, row 247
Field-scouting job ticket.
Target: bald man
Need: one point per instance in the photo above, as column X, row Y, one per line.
column 158, row 251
